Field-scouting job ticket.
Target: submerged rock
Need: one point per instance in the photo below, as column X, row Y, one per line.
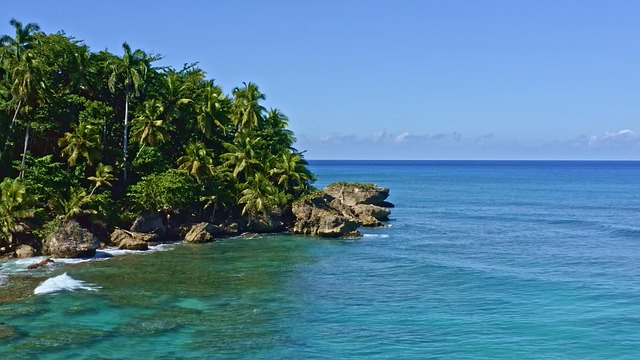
column 8, row 332
column 40, row 264
column 70, row 240
column 128, row 240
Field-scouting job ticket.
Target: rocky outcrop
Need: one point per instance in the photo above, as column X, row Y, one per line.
column 316, row 216
column 25, row 251
column 352, row 194
column 69, row 240
column 203, row 232
column 266, row 223
column 371, row 215
column 150, row 223
column 230, row 228
column 340, row 209
column 128, row 240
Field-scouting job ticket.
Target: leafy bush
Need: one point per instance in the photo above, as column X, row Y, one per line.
column 171, row 191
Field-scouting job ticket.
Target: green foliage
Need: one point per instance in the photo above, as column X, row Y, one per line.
column 259, row 196
column 103, row 177
column 71, row 205
column 150, row 160
column 353, row 185
column 309, row 194
column 47, row 229
column 197, row 162
column 196, row 148
column 15, row 204
column 84, row 141
column 102, row 206
column 171, row 191
column 46, row 177
column 148, row 128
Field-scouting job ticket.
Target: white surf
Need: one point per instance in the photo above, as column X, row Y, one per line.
column 62, row 282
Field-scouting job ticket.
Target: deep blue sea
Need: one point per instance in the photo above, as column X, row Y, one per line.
column 482, row 260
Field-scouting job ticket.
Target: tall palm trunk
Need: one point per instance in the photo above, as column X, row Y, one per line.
column 139, row 151
column 126, row 133
column 13, row 121
column 24, row 152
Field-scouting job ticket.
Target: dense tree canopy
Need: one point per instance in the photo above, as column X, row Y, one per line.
column 90, row 130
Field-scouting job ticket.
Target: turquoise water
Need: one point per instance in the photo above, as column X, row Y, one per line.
column 483, row 260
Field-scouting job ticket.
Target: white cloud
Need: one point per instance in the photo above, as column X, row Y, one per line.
column 623, row 144
column 401, row 138
column 623, row 138
column 379, row 135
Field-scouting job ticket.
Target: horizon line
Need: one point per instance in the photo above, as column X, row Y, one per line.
column 557, row 160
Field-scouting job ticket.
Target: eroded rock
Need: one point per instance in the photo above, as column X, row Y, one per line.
column 316, row 216
column 70, row 240
column 129, row 240
column 352, row 194
column 25, row 251
column 203, row 232
column 150, row 223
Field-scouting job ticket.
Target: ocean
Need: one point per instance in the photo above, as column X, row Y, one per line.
column 481, row 260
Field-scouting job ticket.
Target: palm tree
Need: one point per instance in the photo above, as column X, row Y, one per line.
column 131, row 70
column 150, row 129
column 258, row 196
column 243, row 158
column 247, row 109
column 103, row 177
column 211, row 111
column 290, row 172
column 26, row 84
column 279, row 138
column 22, row 40
column 173, row 93
column 82, row 72
column 29, row 87
column 83, row 141
column 198, row 161
column 15, row 204
column 67, row 208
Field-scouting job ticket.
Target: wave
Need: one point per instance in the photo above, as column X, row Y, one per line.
column 376, row 235
column 17, row 266
column 113, row 251
column 63, row 282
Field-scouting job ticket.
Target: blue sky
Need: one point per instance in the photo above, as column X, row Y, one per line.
column 438, row 79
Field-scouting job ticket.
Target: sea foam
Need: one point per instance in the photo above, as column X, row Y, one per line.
column 63, row 282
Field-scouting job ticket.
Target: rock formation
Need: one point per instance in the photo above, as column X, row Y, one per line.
column 25, row 251
column 203, row 232
column 316, row 216
column 150, row 223
column 352, row 194
column 129, row 240
column 340, row 209
column 69, row 240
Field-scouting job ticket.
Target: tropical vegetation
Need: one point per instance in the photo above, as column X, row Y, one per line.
column 97, row 137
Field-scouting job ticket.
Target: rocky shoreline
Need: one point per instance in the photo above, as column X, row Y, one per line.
column 336, row 211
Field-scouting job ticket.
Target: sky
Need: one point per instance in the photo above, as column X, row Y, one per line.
column 424, row 79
